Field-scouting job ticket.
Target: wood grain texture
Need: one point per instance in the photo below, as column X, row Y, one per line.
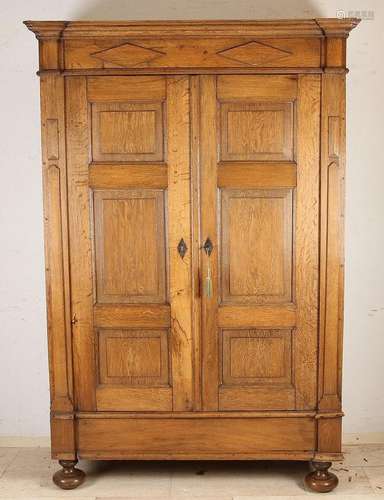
column 252, row 88
column 133, row 357
column 307, row 230
column 142, row 316
column 244, row 145
column 256, row 175
column 50, row 52
column 335, row 53
column 195, row 112
column 208, row 225
column 329, row 435
column 179, row 226
column 258, row 316
column 261, row 131
column 117, row 176
column 56, row 243
column 57, row 268
column 332, row 233
column 252, row 357
column 250, row 28
column 262, row 397
column 256, row 246
column 199, row 436
column 63, row 441
column 81, row 248
column 262, row 455
column 123, row 89
column 208, row 52
column 127, row 132
column 129, row 233
column 117, row 398
column 200, row 415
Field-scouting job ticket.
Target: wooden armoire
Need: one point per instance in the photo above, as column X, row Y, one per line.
column 193, row 196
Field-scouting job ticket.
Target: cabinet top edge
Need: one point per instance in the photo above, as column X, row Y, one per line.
column 318, row 27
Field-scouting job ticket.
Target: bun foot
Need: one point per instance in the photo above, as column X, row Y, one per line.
column 321, row 480
column 68, row 478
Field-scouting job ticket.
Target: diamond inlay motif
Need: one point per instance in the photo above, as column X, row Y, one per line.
column 254, row 53
column 127, row 55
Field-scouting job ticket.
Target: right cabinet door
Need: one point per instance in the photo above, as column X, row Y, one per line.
column 259, row 181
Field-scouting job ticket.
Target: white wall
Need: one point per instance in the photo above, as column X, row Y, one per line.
column 24, row 401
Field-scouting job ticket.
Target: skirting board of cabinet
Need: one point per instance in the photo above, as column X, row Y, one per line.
column 9, row 441
column 198, row 438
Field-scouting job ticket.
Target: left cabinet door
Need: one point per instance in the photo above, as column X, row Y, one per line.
column 129, row 207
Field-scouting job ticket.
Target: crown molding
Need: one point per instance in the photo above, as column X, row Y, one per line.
column 333, row 27
column 47, row 29
column 263, row 29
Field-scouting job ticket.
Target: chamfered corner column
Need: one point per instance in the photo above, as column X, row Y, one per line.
column 57, row 265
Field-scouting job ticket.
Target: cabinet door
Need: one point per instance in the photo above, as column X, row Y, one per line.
column 259, row 157
column 129, row 207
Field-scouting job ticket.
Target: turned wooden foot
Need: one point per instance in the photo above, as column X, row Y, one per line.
column 321, row 480
column 68, row 478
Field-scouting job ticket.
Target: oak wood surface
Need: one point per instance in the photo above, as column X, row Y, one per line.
column 80, row 243
column 56, row 243
column 304, row 27
column 125, row 175
column 332, row 248
column 179, row 131
column 197, row 435
column 256, row 175
column 129, row 239
column 208, row 229
column 307, row 240
column 179, row 227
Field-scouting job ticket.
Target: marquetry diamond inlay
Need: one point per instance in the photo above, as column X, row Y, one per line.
column 127, row 55
column 254, row 53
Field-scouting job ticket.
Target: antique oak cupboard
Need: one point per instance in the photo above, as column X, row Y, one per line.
column 193, row 193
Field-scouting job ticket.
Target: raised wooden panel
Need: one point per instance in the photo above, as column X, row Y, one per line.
column 129, row 246
column 127, row 132
column 257, row 131
column 256, row 357
column 256, row 246
column 133, row 357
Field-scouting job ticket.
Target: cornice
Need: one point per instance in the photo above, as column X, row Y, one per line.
column 46, row 29
column 203, row 28
column 333, row 27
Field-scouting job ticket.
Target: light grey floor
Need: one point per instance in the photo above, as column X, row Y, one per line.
column 25, row 473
